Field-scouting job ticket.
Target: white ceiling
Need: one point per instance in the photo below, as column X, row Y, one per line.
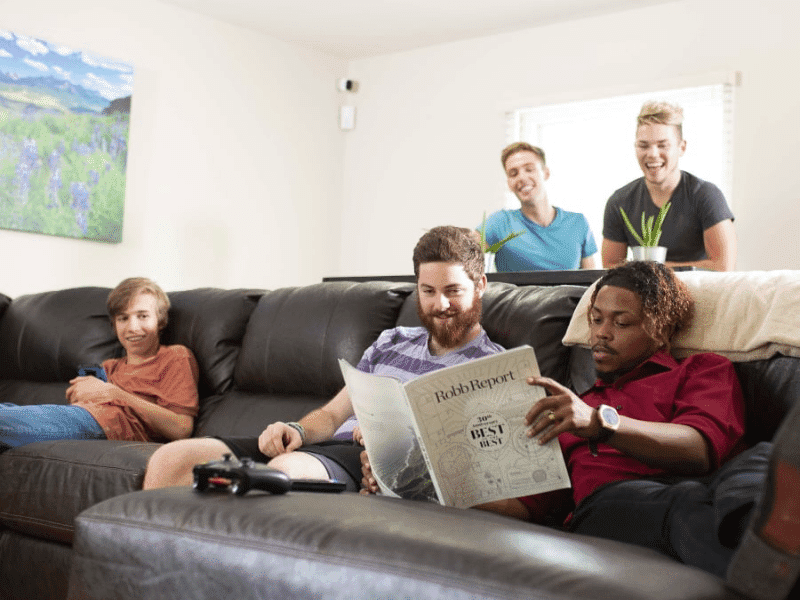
column 360, row 28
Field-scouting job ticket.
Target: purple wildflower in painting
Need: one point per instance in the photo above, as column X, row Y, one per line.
column 28, row 162
column 80, row 195
column 80, row 203
column 53, row 187
column 54, row 160
column 80, row 219
column 23, row 181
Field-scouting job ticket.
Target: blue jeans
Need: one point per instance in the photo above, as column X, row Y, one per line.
column 696, row 521
column 45, row 422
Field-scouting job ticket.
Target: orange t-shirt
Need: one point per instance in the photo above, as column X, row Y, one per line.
column 168, row 379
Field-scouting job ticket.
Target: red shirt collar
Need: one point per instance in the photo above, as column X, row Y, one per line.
column 659, row 362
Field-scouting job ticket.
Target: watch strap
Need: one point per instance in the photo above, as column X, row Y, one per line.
column 299, row 429
column 603, row 436
column 600, row 438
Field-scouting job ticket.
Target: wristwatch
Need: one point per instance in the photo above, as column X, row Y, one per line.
column 609, row 422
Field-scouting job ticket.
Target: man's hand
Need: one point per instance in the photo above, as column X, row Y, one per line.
column 279, row 438
column 89, row 390
column 358, row 438
column 559, row 412
column 368, row 483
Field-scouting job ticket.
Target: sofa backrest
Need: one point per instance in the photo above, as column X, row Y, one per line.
column 296, row 335
column 212, row 323
column 289, row 360
column 273, row 355
column 5, row 301
column 770, row 387
column 44, row 337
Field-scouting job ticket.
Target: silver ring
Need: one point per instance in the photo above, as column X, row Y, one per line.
column 551, row 415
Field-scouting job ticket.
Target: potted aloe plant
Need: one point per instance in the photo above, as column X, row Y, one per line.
column 491, row 250
column 648, row 248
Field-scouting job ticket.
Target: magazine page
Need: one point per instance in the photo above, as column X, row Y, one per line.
column 471, row 421
column 389, row 435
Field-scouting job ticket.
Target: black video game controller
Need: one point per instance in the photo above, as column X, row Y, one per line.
column 239, row 476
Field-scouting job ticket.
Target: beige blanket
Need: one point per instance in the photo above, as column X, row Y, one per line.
column 746, row 315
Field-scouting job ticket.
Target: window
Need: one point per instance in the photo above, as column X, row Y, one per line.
column 589, row 145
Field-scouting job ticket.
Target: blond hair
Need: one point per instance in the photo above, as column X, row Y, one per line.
column 121, row 296
column 661, row 113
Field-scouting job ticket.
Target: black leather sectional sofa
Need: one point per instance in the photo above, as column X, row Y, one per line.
column 74, row 523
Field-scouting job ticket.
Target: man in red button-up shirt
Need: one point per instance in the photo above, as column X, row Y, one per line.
column 653, row 448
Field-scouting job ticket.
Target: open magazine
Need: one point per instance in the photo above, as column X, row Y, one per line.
column 457, row 435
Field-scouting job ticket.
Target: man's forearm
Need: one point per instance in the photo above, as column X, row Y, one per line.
column 158, row 419
column 720, row 264
column 677, row 448
column 319, row 426
column 322, row 423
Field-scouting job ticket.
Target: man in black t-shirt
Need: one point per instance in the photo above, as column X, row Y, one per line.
column 698, row 230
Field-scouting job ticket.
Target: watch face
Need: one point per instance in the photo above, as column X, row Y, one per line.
column 609, row 417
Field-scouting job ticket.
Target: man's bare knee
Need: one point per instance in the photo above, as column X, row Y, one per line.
column 171, row 464
column 299, row 465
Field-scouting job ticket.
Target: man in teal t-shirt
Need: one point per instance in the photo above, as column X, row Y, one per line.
column 552, row 238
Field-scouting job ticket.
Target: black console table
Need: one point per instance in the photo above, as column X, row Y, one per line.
column 578, row 277
column 583, row 277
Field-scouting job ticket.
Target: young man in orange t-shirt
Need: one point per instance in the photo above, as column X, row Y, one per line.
column 151, row 392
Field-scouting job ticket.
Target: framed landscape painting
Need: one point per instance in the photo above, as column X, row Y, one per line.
column 64, row 121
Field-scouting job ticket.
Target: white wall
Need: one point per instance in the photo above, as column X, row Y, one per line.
column 430, row 122
column 235, row 149
column 234, row 152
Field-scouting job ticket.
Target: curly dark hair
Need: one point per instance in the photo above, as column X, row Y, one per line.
column 666, row 302
column 450, row 244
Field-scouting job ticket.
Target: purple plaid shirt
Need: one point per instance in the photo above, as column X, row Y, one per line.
column 403, row 353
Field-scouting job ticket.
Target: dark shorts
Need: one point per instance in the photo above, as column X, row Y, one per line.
column 341, row 459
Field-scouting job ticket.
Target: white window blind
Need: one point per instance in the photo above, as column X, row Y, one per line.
column 589, row 145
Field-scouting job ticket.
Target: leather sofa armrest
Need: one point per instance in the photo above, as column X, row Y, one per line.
column 46, row 484
column 157, row 544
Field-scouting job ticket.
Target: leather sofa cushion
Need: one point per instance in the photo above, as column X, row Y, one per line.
column 158, row 544
column 770, row 388
column 212, row 323
column 33, row 392
column 296, row 335
column 46, row 484
column 46, row 336
column 240, row 413
column 4, row 302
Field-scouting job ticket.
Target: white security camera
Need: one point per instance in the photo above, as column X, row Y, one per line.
column 347, row 85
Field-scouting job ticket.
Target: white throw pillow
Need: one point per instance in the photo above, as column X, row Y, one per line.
column 747, row 315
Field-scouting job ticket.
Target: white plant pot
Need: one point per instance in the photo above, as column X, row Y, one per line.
column 489, row 266
column 654, row 253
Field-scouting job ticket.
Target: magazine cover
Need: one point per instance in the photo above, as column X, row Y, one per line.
column 457, row 435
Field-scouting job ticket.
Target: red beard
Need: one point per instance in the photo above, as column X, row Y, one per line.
column 452, row 333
